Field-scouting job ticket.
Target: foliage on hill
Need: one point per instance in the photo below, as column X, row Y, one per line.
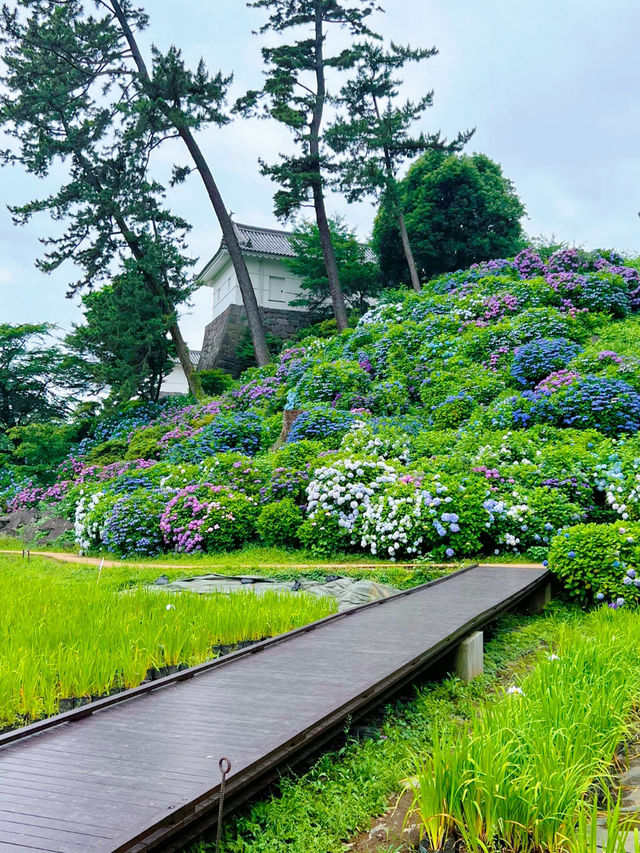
column 459, row 210
column 483, row 415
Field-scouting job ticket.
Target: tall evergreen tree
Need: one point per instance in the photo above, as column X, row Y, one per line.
column 459, row 210
column 83, row 77
column 182, row 102
column 53, row 107
column 359, row 272
column 372, row 133
column 31, row 373
column 296, row 95
column 122, row 344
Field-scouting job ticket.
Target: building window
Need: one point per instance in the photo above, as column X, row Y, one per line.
column 276, row 288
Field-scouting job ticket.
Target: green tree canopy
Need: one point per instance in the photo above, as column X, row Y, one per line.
column 31, row 375
column 123, row 344
column 359, row 275
column 459, row 210
column 372, row 133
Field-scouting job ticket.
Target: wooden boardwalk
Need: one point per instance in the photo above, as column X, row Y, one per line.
column 139, row 771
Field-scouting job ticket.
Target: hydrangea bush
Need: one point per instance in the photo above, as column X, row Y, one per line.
column 490, row 413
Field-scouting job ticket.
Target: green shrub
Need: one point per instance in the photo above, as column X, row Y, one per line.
column 113, row 450
column 279, row 522
column 322, row 535
column 595, row 559
column 297, row 454
column 327, row 381
column 214, row 381
column 248, row 475
column 144, row 443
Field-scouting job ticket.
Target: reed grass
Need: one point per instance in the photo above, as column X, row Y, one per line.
column 515, row 777
column 66, row 634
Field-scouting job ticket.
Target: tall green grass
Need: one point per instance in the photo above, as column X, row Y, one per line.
column 67, row 634
column 515, row 777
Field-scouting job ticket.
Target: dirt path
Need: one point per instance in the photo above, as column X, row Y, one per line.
column 66, row 557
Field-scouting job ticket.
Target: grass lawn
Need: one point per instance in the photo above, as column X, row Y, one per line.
column 69, row 631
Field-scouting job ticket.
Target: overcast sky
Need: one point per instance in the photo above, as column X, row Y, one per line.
column 552, row 87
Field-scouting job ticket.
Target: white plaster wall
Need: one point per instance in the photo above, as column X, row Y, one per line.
column 264, row 273
column 174, row 383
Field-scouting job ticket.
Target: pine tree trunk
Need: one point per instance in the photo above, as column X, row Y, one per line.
column 392, row 192
column 335, row 288
column 254, row 319
column 184, row 358
column 228, row 232
column 406, row 245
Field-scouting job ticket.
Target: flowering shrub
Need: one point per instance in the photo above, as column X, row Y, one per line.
column 239, row 472
column 132, row 524
column 486, row 413
column 537, row 359
column 605, row 292
column 207, row 518
column 229, row 431
column 529, row 263
column 338, row 382
column 289, row 483
column 386, row 442
column 91, row 513
column 324, row 425
column 343, row 490
column 257, row 392
column 598, row 562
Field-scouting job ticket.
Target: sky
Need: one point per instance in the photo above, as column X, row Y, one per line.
column 551, row 87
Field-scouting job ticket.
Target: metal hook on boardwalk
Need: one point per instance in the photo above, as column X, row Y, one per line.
column 225, row 768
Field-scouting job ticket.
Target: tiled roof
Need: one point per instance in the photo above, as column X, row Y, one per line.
column 264, row 241
column 194, row 357
column 267, row 241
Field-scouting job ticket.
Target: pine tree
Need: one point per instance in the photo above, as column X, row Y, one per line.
column 75, row 93
column 182, row 102
column 372, row 135
column 295, row 93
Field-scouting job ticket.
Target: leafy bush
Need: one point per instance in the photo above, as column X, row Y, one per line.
column 132, row 525
column 108, row 451
column 598, row 562
column 214, row 381
column 208, row 518
column 453, row 411
column 340, row 382
column 144, row 444
column 322, row 535
column 279, row 523
column 537, row 359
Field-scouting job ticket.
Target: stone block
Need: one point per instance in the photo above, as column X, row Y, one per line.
column 469, row 659
column 539, row 599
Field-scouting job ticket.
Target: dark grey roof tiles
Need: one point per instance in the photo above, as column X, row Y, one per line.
column 264, row 241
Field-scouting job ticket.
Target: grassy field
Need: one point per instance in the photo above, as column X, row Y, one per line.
column 276, row 563
column 71, row 631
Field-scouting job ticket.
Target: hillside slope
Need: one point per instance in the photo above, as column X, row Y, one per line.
column 482, row 415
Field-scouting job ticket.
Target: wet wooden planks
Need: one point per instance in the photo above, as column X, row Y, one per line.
column 138, row 770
